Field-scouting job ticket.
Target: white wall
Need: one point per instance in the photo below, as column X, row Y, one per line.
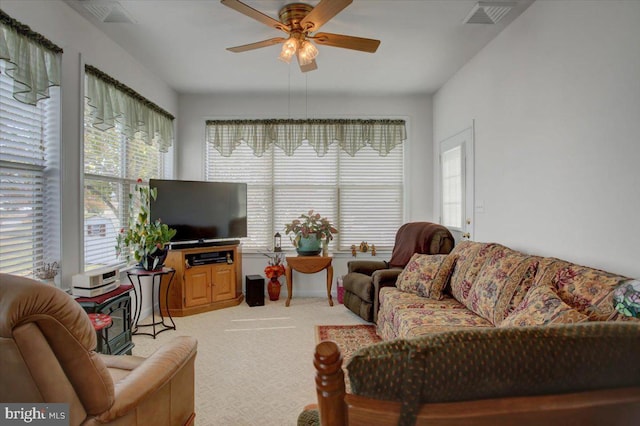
column 556, row 103
column 194, row 110
column 82, row 43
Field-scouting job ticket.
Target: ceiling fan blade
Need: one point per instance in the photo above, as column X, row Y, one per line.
column 324, row 11
column 347, row 42
column 256, row 45
column 255, row 14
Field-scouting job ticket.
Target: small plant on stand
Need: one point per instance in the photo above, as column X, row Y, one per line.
column 310, row 231
column 144, row 240
column 274, row 270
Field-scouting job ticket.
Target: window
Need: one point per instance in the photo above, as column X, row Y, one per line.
column 99, row 230
column 126, row 138
column 362, row 195
column 112, row 165
column 452, row 187
column 29, row 180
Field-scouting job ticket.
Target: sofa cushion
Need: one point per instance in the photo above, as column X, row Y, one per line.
column 588, row 290
column 501, row 284
column 426, row 275
column 471, row 256
column 404, row 315
column 542, row 306
column 488, row 363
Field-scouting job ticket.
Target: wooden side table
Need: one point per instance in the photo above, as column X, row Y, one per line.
column 308, row 265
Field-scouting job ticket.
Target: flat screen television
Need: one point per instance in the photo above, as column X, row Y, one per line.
column 201, row 211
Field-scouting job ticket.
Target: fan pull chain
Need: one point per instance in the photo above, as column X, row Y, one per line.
column 289, row 111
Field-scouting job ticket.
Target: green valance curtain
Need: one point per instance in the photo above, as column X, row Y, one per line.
column 32, row 61
column 288, row 134
column 112, row 102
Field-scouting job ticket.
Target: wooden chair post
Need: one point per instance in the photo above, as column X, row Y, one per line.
column 330, row 384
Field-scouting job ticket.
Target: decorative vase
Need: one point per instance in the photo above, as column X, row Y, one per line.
column 309, row 246
column 160, row 254
column 274, row 289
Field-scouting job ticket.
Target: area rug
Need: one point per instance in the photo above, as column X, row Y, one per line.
column 349, row 338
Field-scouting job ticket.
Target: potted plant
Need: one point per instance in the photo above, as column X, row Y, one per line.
column 626, row 298
column 144, row 240
column 274, row 270
column 309, row 231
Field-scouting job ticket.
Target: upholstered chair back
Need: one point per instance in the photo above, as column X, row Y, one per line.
column 47, row 350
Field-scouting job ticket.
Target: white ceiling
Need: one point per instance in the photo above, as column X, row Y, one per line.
column 423, row 43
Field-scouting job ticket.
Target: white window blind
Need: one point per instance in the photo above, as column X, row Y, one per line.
column 112, row 165
column 361, row 195
column 452, row 187
column 29, row 181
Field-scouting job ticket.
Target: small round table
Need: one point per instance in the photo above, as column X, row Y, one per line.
column 308, row 265
column 101, row 322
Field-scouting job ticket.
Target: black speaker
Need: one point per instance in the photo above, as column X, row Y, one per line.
column 254, row 289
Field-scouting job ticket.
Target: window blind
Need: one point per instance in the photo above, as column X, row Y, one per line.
column 361, row 194
column 112, row 165
column 29, row 181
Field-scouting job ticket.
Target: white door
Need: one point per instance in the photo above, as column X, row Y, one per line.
column 456, row 184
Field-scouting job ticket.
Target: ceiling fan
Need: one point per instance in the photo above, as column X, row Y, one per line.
column 301, row 21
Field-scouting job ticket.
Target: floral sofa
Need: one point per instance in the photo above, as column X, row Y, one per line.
column 490, row 285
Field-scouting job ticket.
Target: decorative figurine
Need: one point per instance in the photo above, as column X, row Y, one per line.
column 373, row 249
column 364, row 247
column 353, row 250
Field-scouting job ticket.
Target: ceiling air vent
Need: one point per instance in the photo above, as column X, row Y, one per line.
column 488, row 12
column 108, row 11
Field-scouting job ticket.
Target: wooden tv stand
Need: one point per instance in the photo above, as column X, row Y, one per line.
column 204, row 279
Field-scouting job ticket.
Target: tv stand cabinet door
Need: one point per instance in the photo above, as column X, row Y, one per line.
column 223, row 283
column 197, row 288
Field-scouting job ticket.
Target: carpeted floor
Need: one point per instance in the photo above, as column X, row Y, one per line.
column 255, row 364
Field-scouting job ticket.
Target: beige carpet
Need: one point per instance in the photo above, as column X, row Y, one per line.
column 254, row 364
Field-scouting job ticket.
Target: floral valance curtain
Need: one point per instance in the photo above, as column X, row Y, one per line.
column 351, row 135
column 112, row 102
column 32, row 61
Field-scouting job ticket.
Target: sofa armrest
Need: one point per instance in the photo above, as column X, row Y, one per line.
column 382, row 278
column 367, row 267
column 150, row 375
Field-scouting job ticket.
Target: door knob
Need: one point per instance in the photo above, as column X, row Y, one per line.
column 466, row 235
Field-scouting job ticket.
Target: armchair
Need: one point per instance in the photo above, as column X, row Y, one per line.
column 47, row 347
column 365, row 278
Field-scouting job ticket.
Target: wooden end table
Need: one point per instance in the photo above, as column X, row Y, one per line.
column 308, row 265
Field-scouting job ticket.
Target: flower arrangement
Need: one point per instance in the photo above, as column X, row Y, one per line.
column 274, row 268
column 47, row 271
column 309, row 224
column 626, row 298
column 143, row 240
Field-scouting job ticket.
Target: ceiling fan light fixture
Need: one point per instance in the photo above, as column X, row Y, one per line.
column 307, row 53
column 289, row 49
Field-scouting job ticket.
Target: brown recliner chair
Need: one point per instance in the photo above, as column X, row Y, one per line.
column 47, row 350
column 365, row 278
